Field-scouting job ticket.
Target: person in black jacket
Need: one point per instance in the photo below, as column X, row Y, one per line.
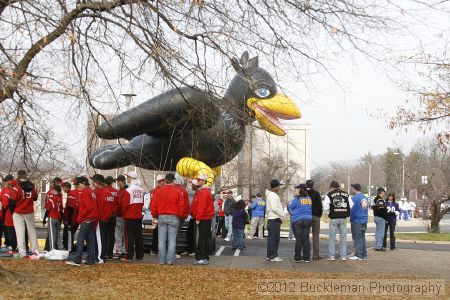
column 380, row 216
column 317, row 210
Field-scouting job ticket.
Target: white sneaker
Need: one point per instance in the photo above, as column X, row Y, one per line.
column 331, row 258
column 177, row 256
column 249, row 237
column 100, row 261
column 343, row 259
column 192, row 254
column 227, row 239
column 355, row 258
column 276, row 259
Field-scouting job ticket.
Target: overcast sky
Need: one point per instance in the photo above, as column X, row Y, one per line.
column 340, row 110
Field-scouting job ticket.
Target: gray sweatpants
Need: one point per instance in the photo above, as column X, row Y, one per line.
column 20, row 220
column 257, row 222
column 54, row 227
column 119, row 244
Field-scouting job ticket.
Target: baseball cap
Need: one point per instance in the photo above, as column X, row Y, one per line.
column 7, row 178
column 356, row 186
column 178, row 178
column 381, row 189
column 121, row 178
column 334, row 184
column 131, row 174
column 309, row 183
column 274, row 183
column 301, row 186
column 170, row 176
column 82, row 180
column 98, row 178
column 159, row 178
column 109, row 180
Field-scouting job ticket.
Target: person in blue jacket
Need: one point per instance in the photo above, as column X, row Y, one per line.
column 258, row 207
column 301, row 216
column 358, row 220
column 392, row 213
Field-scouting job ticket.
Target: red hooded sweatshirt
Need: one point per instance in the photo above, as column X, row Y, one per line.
column 54, row 206
column 5, row 203
column 168, row 200
column 133, row 201
column 202, row 207
column 25, row 200
column 111, row 199
column 72, row 201
column 88, row 210
column 104, row 210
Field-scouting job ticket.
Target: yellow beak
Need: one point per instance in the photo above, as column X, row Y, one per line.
column 269, row 111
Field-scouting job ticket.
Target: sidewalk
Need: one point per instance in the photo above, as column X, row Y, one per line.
column 434, row 264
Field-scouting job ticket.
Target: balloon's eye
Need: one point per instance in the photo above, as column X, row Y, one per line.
column 262, row 92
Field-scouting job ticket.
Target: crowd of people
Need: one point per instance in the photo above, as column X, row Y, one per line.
column 109, row 220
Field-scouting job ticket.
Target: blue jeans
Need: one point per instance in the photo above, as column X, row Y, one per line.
column 229, row 226
column 86, row 233
column 167, row 238
column 273, row 237
column 302, row 228
column 238, row 239
column 337, row 225
column 379, row 231
column 359, row 239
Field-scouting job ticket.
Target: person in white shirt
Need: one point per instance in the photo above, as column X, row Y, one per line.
column 275, row 212
column 338, row 204
column 412, row 209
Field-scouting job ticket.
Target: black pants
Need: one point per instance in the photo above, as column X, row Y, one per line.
column 273, row 237
column 301, row 232
column 133, row 239
column 191, row 236
column 73, row 229
column 155, row 240
column 391, row 226
column 101, row 244
column 12, row 237
column 204, row 240
column 221, row 226
column 110, row 236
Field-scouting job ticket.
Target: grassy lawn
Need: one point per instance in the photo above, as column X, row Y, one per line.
column 424, row 236
column 56, row 280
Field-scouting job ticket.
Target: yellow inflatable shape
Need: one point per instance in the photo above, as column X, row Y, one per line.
column 191, row 168
column 268, row 111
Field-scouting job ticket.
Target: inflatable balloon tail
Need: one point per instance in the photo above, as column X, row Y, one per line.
column 190, row 167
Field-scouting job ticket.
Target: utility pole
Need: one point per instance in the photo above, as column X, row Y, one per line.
column 370, row 176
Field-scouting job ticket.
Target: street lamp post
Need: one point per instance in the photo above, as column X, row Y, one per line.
column 370, row 176
column 403, row 172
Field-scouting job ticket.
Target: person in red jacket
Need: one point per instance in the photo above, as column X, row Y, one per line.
column 9, row 224
column 221, row 219
column 24, row 194
column 87, row 218
column 160, row 182
column 104, row 213
column 202, row 210
column 132, row 204
column 167, row 207
column 54, row 212
column 57, row 181
column 70, row 216
column 111, row 199
column 119, row 246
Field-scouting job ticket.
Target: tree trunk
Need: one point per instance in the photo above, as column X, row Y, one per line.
column 435, row 217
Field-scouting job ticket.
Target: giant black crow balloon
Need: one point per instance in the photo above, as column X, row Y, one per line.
column 192, row 131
